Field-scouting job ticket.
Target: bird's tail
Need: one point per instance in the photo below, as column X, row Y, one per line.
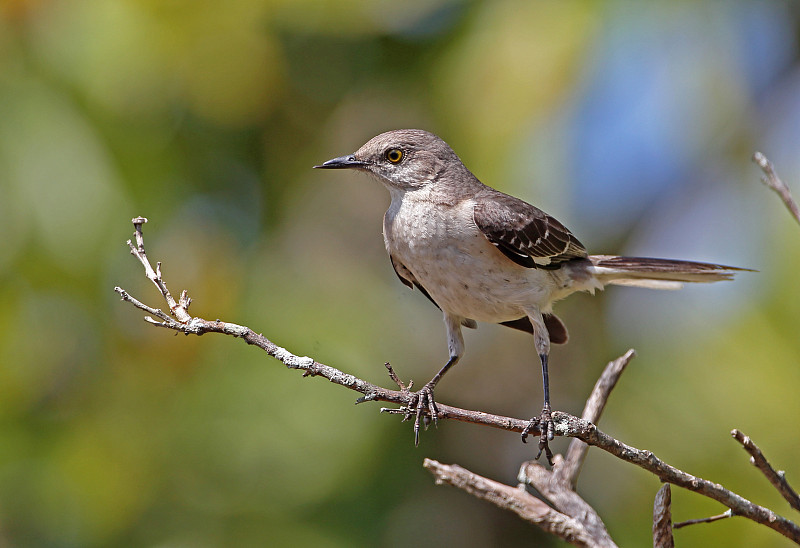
column 657, row 273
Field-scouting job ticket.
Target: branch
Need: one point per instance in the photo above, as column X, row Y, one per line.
column 777, row 479
column 515, row 499
column 179, row 310
column 558, row 492
column 589, row 433
column 724, row 515
column 577, row 450
column 774, row 182
column 558, row 484
column 181, row 321
column 662, row 518
column 570, row 518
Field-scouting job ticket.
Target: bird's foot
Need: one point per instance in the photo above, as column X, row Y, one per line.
column 423, row 408
column 544, row 423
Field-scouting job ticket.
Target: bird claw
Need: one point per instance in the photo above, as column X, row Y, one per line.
column 544, row 423
column 423, row 409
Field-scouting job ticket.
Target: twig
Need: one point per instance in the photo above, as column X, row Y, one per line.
column 774, row 182
column 514, row 499
column 179, row 310
column 577, row 450
column 776, row 478
column 662, row 518
column 726, row 514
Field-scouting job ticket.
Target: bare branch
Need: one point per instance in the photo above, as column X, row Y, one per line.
column 777, row 479
column 514, row 499
column 565, row 425
column 662, row 518
column 774, row 182
column 138, row 304
column 568, row 425
column 557, row 486
column 179, row 311
column 577, row 450
column 560, row 494
column 372, row 392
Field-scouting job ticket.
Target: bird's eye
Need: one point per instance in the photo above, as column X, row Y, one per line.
column 394, row 155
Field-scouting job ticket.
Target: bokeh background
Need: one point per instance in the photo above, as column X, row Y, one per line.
column 633, row 123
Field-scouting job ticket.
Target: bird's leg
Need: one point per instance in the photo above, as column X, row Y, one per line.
column 424, row 396
column 425, row 402
column 547, row 428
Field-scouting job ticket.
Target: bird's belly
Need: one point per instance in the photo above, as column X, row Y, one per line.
column 474, row 280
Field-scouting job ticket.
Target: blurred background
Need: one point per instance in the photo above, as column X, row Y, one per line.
column 633, row 124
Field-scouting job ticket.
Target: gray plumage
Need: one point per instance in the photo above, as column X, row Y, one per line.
column 481, row 255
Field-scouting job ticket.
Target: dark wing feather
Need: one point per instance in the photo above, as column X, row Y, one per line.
column 408, row 279
column 525, row 234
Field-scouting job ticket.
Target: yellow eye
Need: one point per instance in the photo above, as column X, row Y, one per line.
column 394, row 155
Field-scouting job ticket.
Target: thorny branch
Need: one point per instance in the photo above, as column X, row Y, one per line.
column 567, row 516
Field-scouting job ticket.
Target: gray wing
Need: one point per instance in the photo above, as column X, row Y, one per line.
column 525, row 234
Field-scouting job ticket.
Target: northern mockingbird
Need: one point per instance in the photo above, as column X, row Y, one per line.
column 481, row 255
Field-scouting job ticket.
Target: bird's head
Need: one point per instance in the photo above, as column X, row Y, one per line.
column 403, row 159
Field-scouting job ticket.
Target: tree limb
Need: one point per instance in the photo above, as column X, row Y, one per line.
column 558, row 484
column 515, row 499
column 589, row 433
column 558, row 492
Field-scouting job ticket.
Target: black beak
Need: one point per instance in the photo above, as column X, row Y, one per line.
column 342, row 162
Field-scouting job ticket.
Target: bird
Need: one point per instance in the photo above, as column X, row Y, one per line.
column 481, row 255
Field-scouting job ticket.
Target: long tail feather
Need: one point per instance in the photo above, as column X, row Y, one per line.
column 657, row 273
